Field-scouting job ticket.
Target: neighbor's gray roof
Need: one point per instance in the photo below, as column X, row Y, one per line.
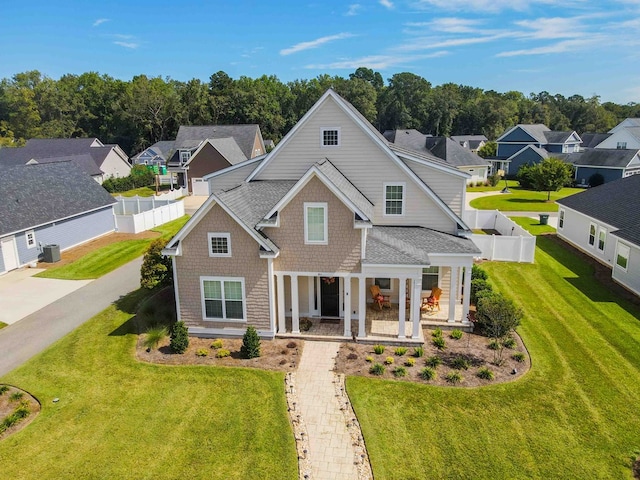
column 43, row 193
column 411, row 139
column 425, row 156
column 614, row 203
column 84, row 162
column 590, row 140
column 412, row 245
column 469, row 138
column 557, row 137
column 536, row 130
column 190, row 137
column 229, row 149
column 605, row 157
column 343, row 184
column 634, row 131
column 453, row 153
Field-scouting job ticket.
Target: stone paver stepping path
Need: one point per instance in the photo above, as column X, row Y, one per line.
column 328, row 436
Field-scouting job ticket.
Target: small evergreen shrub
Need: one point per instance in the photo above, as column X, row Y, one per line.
column 378, row 349
column 399, row 372
column 479, row 287
column 427, row 373
column 510, row 343
column 216, row 344
column 485, row 374
column 433, row 362
column 376, row 369
column 400, row 351
column 369, row 359
column 456, row 334
column 478, row 272
column 454, row 378
column 439, row 343
column 493, row 345
column 519, row 357
column 460, row 363
column 388, row 361
column 202, row 352
column 179, row 338
column 222, row 353
column 410, row 362
column 154, row 336
column 250, row 343
column 418, row 352
column 3, row 389
column 437, row 332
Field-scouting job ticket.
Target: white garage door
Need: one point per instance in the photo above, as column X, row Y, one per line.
column 9, row 254
column 199, row 186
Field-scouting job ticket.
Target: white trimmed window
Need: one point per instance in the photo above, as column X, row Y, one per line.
column 315, row 223
column 30, row 238
column 602, row 237
column 185, row 155
column 622, row 257
column 561, row 219
column 430, row 278
column 394, row 198
column 592, row 234
column 223, row 298
column 219, row 244
column 330, row 137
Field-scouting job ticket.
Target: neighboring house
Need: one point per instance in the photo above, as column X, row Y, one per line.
column 470, row 142
column 110, row 160
column 624, row 138
column 536, row 135
column 592, row 140
column 627, row 122
column 157, row 154
column 528, row 155
column 445, row 149
column 604, row 222
column 307, row 229
column 612, row 164
column 50, row 203
column 216, row 146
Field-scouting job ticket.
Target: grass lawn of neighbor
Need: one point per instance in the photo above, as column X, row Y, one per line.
column 108, row 258
column 142, row 191
column 521, row 200
column 574, row 415
column 497, row 188
column 120, row 418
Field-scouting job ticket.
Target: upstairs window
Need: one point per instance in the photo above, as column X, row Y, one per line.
column 592, row 234
column 330, row 137
column 219, row 244
column 621, row 145
column 622, row 258
column 185, row 155
column 394, row 198
column 315, row 223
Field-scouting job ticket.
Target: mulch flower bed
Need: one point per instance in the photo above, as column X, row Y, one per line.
column 11, row 399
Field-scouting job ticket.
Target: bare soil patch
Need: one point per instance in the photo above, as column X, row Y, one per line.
column 278, row 354
column 474, row 348
column 12, row 399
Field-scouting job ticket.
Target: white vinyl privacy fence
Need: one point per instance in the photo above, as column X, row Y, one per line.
column 137, row 214
column 513, row 244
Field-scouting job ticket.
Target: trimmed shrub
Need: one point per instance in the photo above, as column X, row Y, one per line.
column 154, row 336
column 478, row 273
column 250, row 343
column 454, row 378
column 485, row 374
column 439, row 343
column 418, row 352
column 399, row 372
column 478, row 285
column 519, row 357
column 3, row 389
column 216, row 344
column 15, row 396
column 427, row 373
column 369, row 359
column 157, row 269
column 410, row 362
column 510, row 343
column 493, row 345
column 388, row 361
column 456, row 334
column 202, row 352
column 460, row 363
column 400, row 351
column 433, row 362
column 179, row 338
column 222, row 353
column 378, row 349
column 376, row 369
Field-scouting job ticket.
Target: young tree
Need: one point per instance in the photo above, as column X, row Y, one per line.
column 551, row 175
column 250, row 343
column 489, row 149
column 179, row 338
column 156, row 270
column 497, row 316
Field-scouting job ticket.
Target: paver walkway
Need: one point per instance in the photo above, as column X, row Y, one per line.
column 332, row 453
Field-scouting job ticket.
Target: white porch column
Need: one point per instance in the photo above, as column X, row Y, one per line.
column 402, row 307
column 295, row 305
column 272, row 295
column 467, row 295
column 416, row 284
column 281, row 313
column 347, row 306
column 459, row 293
column 362, row 309
column 453, row 286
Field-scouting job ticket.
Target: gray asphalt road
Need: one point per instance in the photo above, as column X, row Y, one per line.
column 24, row 339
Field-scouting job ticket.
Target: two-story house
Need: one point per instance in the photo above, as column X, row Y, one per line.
column 306, row 231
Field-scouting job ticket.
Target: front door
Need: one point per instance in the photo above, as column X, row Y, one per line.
column 330, row 297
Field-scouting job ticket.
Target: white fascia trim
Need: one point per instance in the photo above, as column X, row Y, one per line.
column 598, row 166
column 428, row 163
column 233, row 167
column 394, row 265
column 507, row 133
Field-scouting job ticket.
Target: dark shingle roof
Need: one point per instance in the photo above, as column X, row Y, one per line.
column 606, row 157
column 46, row 147
column 614, row 203
column 590, row 140
column 453, row 153
column 412, row 245
column 557, row 137
column 38, row 194
column 190, row 137
column 84, row 162
column 473, row 141
column 343, row 184
column 411, row 139
column 536, row 130
column 229, row 149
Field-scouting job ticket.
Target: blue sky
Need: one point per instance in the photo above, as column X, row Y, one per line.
column 569, row 47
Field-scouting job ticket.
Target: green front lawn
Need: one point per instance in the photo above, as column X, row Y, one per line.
column 574, row 415
column 497, row 188
column 532, row 225
column 520, row 200
column 119, row 418
column 110, row 257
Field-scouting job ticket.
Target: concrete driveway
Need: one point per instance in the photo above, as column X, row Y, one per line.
column 21, row 294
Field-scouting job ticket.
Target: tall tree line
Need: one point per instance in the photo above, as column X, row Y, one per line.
column 144, row 110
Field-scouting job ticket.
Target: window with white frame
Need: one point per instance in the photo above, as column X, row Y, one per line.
column 602, row 236
column 330, row 137
column 30, row 238
column 592, row 234
column 185, row 155
column 219, row 244
column 430, row 278
column 622, row 257
column 621, row 145
column 383, row 283
column 223, row 298
column 561, row 219
column 394, row 198
column 315, row 223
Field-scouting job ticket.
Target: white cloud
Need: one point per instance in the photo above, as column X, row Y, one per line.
column 353, row 9
column 559, row 47
column 375, row 62
column 386, row 3
column 314, row 43
column 487, row 5
column 100, row 21
column 551, row 28
column 449, row 25
column 430, row 43
column 130, row 45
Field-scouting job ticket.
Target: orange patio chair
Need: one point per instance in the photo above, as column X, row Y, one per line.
column 378, row 298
